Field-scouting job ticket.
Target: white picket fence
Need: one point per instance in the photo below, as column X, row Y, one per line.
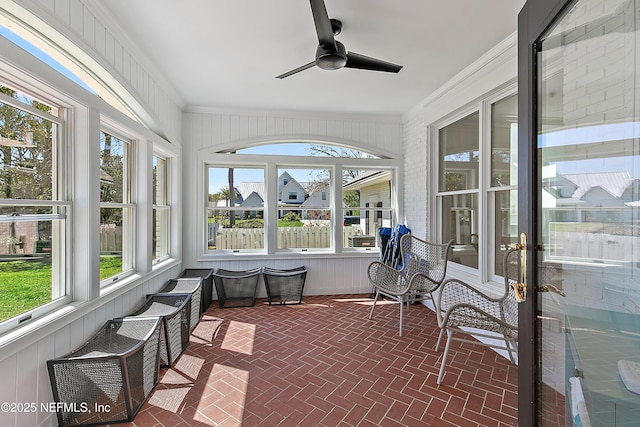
column 110, row 238
column 288, row 237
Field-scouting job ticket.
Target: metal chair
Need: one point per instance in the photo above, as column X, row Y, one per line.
column 460, row 305
column 424, row 266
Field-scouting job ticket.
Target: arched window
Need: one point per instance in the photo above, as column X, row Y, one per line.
column 297, row 197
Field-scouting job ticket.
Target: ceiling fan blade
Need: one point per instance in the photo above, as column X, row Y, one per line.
column 297, row 70
column 323, row 23
column 356, row 60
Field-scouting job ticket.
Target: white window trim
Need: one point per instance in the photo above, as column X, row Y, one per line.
column 480, row 276
column 271, row 164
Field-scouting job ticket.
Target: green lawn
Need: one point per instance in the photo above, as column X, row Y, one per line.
column 110, row 265
column 25, row 285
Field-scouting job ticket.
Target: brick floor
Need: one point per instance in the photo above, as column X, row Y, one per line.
column 324, row 363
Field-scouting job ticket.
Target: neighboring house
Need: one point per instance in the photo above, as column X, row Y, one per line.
column 253, row 200
column 375, row 191
column 317, row 204
column 581, row 197
column 292, row 193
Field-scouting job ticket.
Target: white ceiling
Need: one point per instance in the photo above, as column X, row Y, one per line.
column 226, row 54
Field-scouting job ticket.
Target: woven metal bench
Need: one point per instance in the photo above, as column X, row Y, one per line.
column 207, row 283
column 192, row 286
column 175, row 312
column 236, row 288
column 107, row 379
column 284, row 286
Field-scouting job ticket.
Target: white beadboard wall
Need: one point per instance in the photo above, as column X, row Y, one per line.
column 97, row 42
column 330, row 274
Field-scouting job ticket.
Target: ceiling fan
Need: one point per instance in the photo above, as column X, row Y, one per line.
column 331, row 54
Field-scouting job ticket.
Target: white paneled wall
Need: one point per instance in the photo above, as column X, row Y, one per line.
column 222, row 130
column 331, row 274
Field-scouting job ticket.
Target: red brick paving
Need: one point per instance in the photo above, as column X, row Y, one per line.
column 324, row 363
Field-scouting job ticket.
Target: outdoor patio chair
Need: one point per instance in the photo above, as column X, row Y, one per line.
column 463, row 309
column 424, row 266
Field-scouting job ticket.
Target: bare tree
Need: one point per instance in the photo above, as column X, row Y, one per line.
column 322, row 179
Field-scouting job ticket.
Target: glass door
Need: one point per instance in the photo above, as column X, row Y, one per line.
column 580, row 211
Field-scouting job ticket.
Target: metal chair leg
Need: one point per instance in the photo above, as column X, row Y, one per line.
column 439, row 339
column 374, row 303
column 401, row 308
column 444, row 356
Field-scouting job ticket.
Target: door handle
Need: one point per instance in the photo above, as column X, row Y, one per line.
column 551, row 288
column 520, row 288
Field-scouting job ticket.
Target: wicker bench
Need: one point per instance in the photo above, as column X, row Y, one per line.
column 107, row 379
column 284, row 286
column 192, row 286
column 207, row 283
column 175, row 312
column 236, row 288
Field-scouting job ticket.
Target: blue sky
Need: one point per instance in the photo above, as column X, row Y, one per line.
column 19, row 41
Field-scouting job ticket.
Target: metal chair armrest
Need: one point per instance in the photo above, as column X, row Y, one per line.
column 387, row 279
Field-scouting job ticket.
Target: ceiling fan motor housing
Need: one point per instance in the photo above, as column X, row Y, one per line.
column 330, row 59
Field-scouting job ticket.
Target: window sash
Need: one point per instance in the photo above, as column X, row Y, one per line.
column 273, row 167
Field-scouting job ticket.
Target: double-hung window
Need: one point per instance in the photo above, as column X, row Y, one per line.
column 235, row 208
column 34, row 207
column 161, row 210
column 116, row 207
column 477, row 185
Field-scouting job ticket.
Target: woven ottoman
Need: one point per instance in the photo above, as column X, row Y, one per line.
column 175, row 312
column 192, row 286
column 107, row 379
column 207, row 283
column 236, row 288
column 284, row 286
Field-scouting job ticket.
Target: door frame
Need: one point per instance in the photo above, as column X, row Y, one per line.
column 534, row 19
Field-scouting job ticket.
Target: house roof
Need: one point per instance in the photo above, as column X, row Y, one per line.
column 226, row 54
column 246, row 188
column 367, row 178
column 614, row 183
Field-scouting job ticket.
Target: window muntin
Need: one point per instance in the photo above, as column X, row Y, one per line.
column 161, row 210
column 235, row 209
column 116, row 209
column 33, row 212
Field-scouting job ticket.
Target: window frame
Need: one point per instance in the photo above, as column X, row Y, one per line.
column 164, row 208
column 128, row 205
column 61, row 250
column 486, row 215
column 272, row 164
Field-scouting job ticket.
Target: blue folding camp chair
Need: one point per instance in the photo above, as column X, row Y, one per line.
column 391, row 254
